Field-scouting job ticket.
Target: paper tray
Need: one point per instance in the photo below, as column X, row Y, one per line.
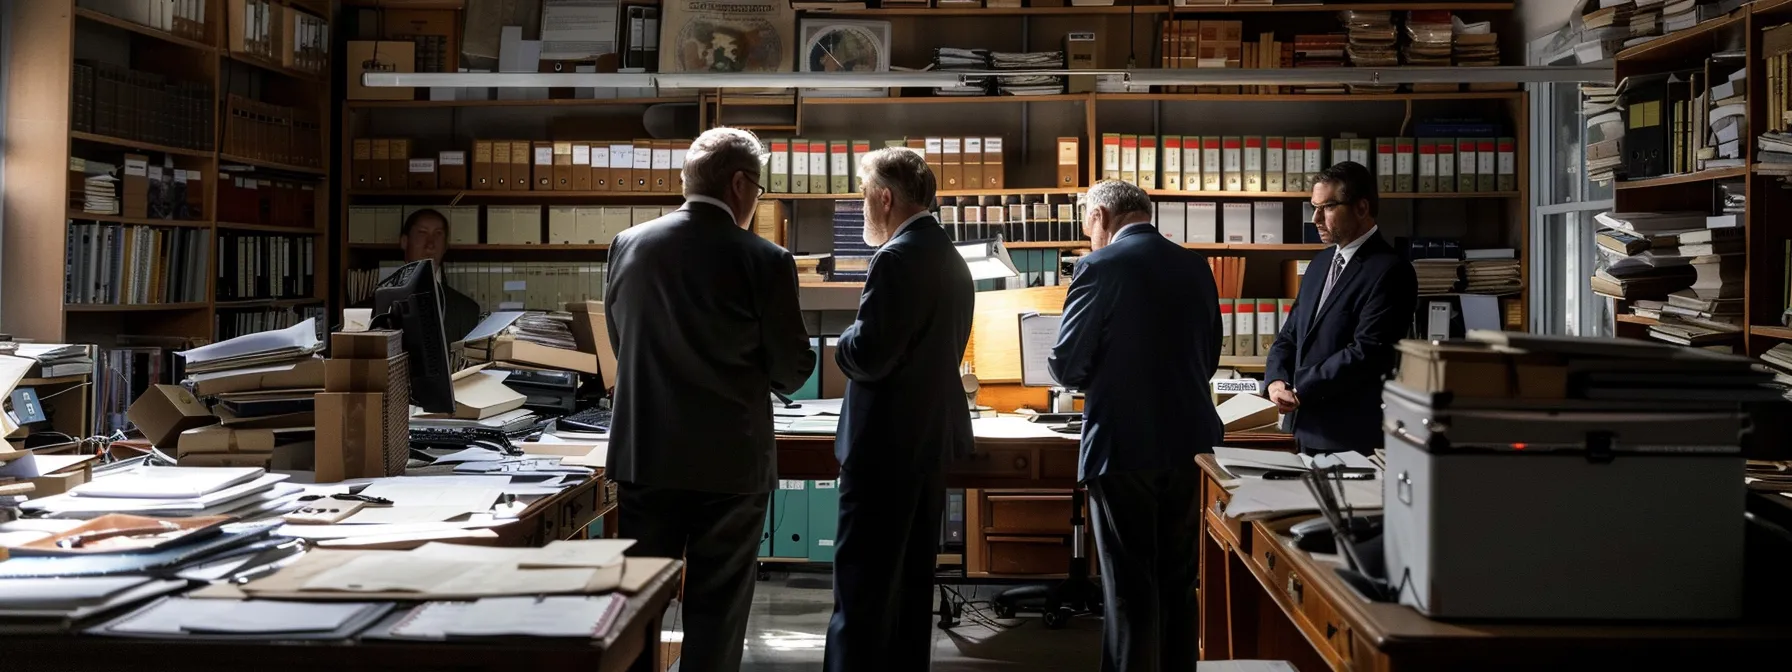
column 1442, row 429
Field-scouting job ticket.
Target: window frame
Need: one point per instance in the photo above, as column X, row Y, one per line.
column 1564, row 253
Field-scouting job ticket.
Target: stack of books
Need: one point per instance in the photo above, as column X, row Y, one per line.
column 1437, row 276
column 1477, row 46
column 808, row 268
column 1430, row 35
column 1320, row 51
column 262, row 389
column 1678, row 15
column 1491, row 271
column 1371, row 39
column 1607, row 14
column 1774, row 155
column 1633, row 271
column 1645, row 22
column 852, row 256
column 1779, row 360
column 99, row 187
column 1728, row 118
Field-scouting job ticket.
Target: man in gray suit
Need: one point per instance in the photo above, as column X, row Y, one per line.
column 703, row 315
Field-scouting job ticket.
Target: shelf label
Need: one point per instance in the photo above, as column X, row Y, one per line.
column 423, row 165
column 1236, row 386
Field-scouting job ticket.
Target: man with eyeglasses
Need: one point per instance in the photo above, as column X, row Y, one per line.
column 1356, row 302
column 704, row 319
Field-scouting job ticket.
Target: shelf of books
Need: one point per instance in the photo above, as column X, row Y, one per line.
column 172, row 194
column 543, row 179
column 1697, row 244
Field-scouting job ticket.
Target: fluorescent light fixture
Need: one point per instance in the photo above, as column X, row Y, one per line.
column 805, row 80
column 1392, row 75
column 987, row 259
column 508, row 80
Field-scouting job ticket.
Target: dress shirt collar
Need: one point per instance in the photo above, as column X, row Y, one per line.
column 1348, row 251
column 1122, row 232
column 911, row 220
column 698, row 198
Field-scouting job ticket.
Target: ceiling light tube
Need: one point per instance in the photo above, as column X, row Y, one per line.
column 805, row 80
column 506, row 80
column 1386, row 76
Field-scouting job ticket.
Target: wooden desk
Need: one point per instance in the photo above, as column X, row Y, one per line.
column 633, row 644
column 1263, row 598
column 565, row 515
column 993, row 463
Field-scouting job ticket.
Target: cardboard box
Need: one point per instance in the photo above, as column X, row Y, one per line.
column 164, row 411
column 360, row 435
column 451, row 169
column 221, row 439
column 593, row 336
column 60, row 482
column 1475, row 370
column 479, row 395
column 382, row 56
column 306, row 374
column 380, row 344
column 1079, row 54
column 508, row 349
column 365, row 375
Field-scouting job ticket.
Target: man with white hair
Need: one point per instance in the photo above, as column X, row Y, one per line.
column 703, row 316
column 1140, row 337
column 904, row 415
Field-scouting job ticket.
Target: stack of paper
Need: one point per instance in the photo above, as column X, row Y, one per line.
column 1779, row 361
column 1492, row 272
column 1436, row 276
column 59, row 603
column 101, row 195
column 173, row 492
column 449, row 571
column 1028, row 85
column 572, row 616
column 1252, row 463
column 1371, row 37
column 953, row 59
column 1728, row 119
column 188, row 618
column 259, row 383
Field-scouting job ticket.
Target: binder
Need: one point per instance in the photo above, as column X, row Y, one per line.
column 398, row 165
column 799, row 166
column 951, row 164
column 1191, row 163
column 588, row 225
column 451, row 169
column 948, row 214
column 1403, row 168
column 1238, row 223
column 641, row 173
column 1341, row 152
column 581, row 166
column 519, row 165
column 1384, row 165
column 1446, row 164
column 1267, row 317
column 1232, row 162
column 839, row 176
column 1506, row 168
column 484, row 178
column 1172, row 173
column 931, row 149
column 973, row 163
column 497, row 225
column 1272, row 164
column 622, row 166
column 1244, row 328
column 1203, row 222
column 1294, row 164
column 378, row 174
column 1253, row 163
column 525, row 224
column 1129, row 159
column 563, row 225
column 542, row 162
column 1315, row 155
column 1361, row 150
column 1427, row 165
column 1212, row 178
column 562, row 166
column 1148, row 162
column 662, row 166
column 680, row 149
column 1466, row 165
column 1044, row 226
column 818, row 167
column 1228, row 341
column 1486, row 164
column 1172, row 221
column 993, row 166
column 1016, row 228
column 779, row 166
column 362, row 162
column 856, row 183
column 420, row 174
column 600, row 167
column 1266, row 222
column 1110, row 156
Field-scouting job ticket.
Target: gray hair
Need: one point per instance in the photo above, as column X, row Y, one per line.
column 1118, row 198
column 716, row 156
column 901, row 171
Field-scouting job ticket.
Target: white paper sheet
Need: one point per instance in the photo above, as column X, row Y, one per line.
column 63, row 592
column 425, row 501
column 391, row 571
column 578, row 553
column 178, row 615
column 69, row 503
column 559, row 616
column 302, row 335
column 519, row 582
column 340, row 531
column 168, row 482
column 1256, row 498
column 1010, row 427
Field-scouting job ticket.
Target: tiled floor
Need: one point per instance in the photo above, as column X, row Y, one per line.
column 790, row 621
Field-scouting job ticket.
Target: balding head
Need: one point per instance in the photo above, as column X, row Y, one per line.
column 1111, row 206
column 723, row 164
column 898, row 185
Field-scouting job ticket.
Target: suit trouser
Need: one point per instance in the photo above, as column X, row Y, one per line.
column 1145, row 533
column 884, row 559
column 717, row 534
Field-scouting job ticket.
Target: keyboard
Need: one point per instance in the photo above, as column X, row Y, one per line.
column 459, row 437
column 594, row 419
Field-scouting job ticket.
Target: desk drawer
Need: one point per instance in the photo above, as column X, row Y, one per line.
column 1213, row 505
column 1027, row 554
column 998, row 462
column 1269, row 554
column 1029, row 511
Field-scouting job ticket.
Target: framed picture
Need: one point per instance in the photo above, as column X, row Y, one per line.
column 838, row 45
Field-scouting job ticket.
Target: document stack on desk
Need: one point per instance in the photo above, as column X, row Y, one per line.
column 808, row 416
column 55, row 604
column 176, row 492
column 261, row 388
column 1636, row 441
column 452, row 572
column 1267, row 483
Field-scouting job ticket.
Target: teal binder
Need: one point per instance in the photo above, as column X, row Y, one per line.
column 824, row 519
column 765, row 536
column 790, row 520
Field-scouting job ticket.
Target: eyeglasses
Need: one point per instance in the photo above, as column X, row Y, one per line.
column 1324, row 210
column 755, row 184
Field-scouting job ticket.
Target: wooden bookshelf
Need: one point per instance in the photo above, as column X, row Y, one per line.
column 1265, row 8
column 1686, row 178
column 41, row 138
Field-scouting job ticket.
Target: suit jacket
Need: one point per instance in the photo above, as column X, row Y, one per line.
column 905, row 408
column 703, row 316
column 1141, row 337
column 1336, row 360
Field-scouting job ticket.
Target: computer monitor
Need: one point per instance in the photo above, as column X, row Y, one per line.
column 1038, row 334
column 410, row 300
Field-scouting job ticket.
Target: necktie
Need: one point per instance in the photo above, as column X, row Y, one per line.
column 1331, row 278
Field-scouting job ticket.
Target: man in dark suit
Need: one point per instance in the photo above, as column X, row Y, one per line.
column 904, row 415
column 1140, row 337
column 1356, row 302
column 703, row 315
column 425, row 236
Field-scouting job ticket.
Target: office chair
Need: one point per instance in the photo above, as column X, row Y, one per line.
column 1075, row 595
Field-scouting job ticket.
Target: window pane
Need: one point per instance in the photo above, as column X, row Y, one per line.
column 1566, row 173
